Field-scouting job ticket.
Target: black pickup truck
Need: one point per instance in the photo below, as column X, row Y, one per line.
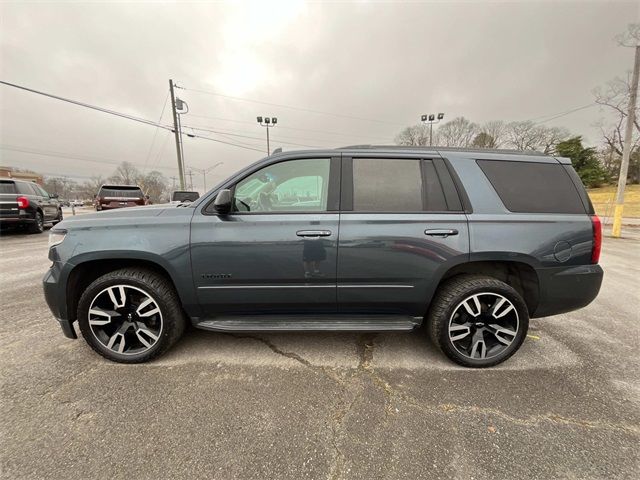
column 26, row 204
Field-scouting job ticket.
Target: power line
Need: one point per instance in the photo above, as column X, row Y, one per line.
column 155, row 134
column 291, row 107
column 85, row 158
column 119, row 114
column 553, row 116
column 245, row 136
column 342, row 134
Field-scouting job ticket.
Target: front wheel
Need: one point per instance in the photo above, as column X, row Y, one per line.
column 130, row 315
column 477, row 321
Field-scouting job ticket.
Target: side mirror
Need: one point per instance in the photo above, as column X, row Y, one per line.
column 54, row 195
column 222, row 203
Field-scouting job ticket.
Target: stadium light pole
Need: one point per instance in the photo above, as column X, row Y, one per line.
column 431, row 119
column 268, row 123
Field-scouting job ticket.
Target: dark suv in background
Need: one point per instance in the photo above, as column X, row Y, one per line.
column 119, row 196
column 470, row 243
column 26, row 204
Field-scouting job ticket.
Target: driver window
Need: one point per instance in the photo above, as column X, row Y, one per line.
column 290, row 186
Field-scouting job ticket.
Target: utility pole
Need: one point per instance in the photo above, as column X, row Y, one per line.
column 616, row 231
column 190, row 179
column 176, row 130
column 204, row 172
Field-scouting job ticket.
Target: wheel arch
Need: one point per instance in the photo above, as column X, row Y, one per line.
column 519, row 275
column 88, row 270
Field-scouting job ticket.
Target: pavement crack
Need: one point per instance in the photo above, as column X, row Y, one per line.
column 366, row 346
column 327, row 372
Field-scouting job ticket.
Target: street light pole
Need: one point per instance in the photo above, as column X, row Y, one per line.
column 268, row 123
column 431, row 119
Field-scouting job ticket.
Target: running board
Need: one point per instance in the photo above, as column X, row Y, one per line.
column 297, row 323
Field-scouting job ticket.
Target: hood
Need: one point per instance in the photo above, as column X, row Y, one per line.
column 123, row 216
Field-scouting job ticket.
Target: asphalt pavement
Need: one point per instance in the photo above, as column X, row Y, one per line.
column 321, row 405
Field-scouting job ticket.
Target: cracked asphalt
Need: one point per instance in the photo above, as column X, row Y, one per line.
column 321, row 405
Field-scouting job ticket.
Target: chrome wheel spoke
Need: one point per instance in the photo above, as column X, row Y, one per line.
column 472, row 306
column 458, row 332
column 479, row 347
column 117, row 303
column 498, row 331
column 104, row 314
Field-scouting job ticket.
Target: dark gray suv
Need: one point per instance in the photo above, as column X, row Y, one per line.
column 470, row 243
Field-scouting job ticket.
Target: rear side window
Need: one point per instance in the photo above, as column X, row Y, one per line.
column 7, row 187
column 530, row 187
column 120, row 192
column 396, row 185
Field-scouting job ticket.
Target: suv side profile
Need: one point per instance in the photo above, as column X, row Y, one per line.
column 26, row 204
column 469, row 243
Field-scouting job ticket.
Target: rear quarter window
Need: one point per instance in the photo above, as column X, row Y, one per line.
column 532, row 187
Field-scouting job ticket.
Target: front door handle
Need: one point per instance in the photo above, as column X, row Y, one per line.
column 441, row 232
column 313, row 233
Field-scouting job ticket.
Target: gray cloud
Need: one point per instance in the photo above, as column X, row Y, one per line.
column 384, row 61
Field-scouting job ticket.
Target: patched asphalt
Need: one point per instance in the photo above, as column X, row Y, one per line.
column 321, row 405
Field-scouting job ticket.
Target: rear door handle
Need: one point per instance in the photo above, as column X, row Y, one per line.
column 313, row 233
column 441, row 232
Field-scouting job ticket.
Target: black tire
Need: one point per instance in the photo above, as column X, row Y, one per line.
column 153, row 284
column 448, row 302
column 38, row 224
column 59, row 218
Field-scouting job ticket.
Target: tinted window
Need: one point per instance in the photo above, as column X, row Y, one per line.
column 42, row 191
column 7, row 187
column 435, row 201
column 120, row 192
column 291, row 186
column 180, row 196
column 396, row 185
column 530, row 187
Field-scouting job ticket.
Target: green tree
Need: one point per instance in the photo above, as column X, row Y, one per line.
column 584, row 160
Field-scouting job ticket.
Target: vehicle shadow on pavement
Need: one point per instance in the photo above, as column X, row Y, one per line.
column 345, row 350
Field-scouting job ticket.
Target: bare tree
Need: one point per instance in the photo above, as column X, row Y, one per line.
column 459, row 132
column 614, row 97
column 528, row 135
column 415, row 135
column 126, row 173
column 155, row 185
column 89, row 189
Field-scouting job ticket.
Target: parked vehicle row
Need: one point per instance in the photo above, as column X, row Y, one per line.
column 471, row 244
column 27, row 204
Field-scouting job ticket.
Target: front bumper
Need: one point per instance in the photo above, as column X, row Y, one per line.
column 564, row 289
column 56, row 300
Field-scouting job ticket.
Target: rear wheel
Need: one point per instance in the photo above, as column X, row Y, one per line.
column 130, row 315
column 478, row 321
column 38, row 224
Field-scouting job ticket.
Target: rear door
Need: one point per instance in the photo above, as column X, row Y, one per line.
column 49, row 205
column 401, row 224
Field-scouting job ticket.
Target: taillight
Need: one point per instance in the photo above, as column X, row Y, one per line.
column 23, row 202
column 597, row 238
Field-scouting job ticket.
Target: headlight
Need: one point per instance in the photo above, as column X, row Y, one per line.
column 56, row 237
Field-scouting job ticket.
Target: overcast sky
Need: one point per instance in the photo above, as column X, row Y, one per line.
column 376, row 66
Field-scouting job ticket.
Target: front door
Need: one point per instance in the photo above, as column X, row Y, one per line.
column 276, row 251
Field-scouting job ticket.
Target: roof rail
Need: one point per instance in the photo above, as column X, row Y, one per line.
column 443, row 149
